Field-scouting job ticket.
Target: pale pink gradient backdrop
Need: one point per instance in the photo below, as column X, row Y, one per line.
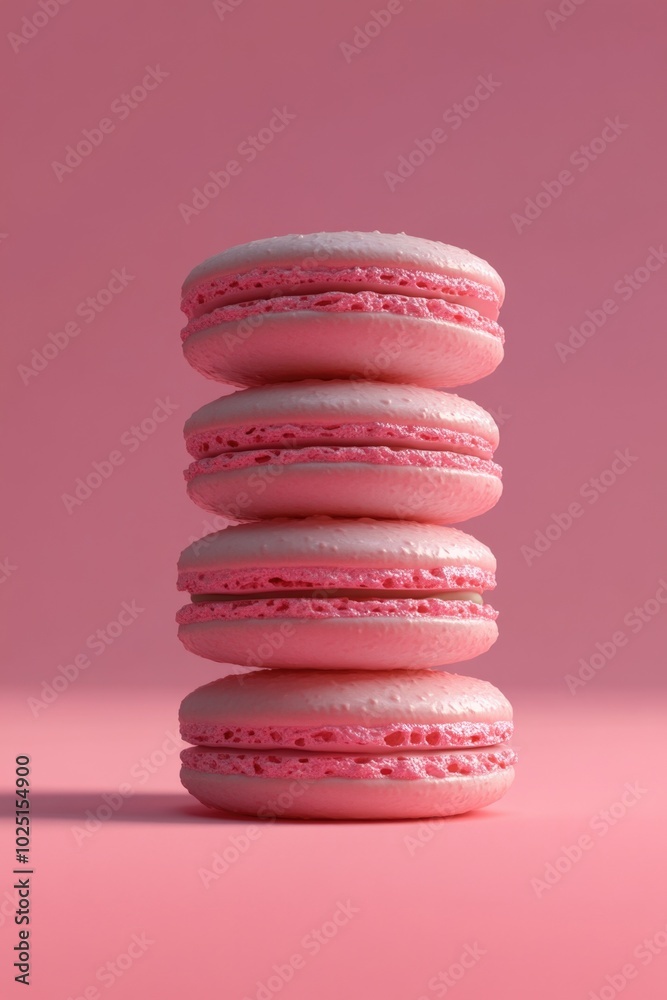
column 67, row 575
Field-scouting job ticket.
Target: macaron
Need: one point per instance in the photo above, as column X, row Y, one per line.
column 343, row 448
column 347, row 744
column 373, row 306
column 335, row 593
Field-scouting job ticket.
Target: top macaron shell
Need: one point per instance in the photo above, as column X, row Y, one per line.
column 343, row 448
column 346, row 710
column 363, row 305
column 324, row 541
column 340, row 249
column 314, row 400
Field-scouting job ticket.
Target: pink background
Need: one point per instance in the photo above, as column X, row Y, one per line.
column 66, row 575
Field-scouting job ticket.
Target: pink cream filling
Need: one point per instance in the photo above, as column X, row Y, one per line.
column 332, row 607
column 216, row 440
column 314, row 765
column 232, row 461
column 243, row 580
column 356, row 737
column 265, row 282
column 345, row 302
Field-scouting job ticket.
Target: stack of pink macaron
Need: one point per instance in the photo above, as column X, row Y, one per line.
column 344, row 464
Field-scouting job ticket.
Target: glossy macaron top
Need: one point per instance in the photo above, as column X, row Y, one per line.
column 305, row 263
column 332, row 406
column 361, row 544
column 344, row 698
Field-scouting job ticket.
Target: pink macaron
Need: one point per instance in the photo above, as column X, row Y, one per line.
column 373, row 306
column 347, row 744
column 332, row 593
column 343, row 448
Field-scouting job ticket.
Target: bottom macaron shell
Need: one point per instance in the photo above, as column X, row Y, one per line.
column 347, row 798
column 287, row 347
column 379, row 643
column 346, row 489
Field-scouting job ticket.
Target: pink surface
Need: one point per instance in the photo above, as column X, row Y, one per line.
column 224, row 873
column 582, row 596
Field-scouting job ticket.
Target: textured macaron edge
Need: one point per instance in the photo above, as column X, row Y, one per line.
column 318, row 765
column 341, row 543
column 351, row 409
column 434, row 310
column 305, row 608
column 386, row 737
column 348, row 698
column 378, row 455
